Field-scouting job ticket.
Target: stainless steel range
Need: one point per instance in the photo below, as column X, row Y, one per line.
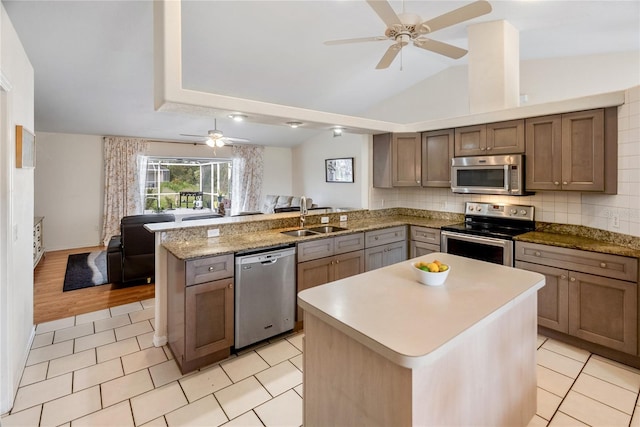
column 487, row 232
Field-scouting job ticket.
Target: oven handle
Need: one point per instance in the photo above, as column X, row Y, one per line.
column 505, row 244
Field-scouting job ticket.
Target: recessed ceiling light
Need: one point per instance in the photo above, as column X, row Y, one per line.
column 337, row 131
column 294, row 124
column 237, row 117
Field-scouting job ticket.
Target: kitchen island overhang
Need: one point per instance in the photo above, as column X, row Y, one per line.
column 384, row 348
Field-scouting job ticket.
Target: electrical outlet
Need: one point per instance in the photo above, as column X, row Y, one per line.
column 324, row 220
column 616, row 220
column 343, row 218
column 213, row 232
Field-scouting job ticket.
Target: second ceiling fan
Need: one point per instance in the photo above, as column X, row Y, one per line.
column 404, row 28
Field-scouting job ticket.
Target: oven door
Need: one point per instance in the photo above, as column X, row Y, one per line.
column 489, row 249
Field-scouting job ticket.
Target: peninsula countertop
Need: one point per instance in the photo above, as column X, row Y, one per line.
column 411, row 324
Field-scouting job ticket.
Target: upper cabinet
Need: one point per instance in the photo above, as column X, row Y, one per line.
column 572, row 152
column 493, row 138
column 437, row 151
column 412, row 159
column 406, row 170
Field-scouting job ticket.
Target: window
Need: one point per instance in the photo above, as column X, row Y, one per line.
column 167, row 178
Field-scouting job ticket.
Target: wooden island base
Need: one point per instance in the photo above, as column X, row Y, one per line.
column 485, row 376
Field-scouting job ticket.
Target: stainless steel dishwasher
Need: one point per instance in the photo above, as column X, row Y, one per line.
column 265, row 294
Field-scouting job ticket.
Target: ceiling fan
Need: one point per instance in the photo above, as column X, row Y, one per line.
column 408, row 27
column 215, row 137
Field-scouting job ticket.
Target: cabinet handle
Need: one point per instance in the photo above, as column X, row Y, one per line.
column 332, row 262
column 537, row 253
column 556, row 183
column 562, row 276
column 603, row 264
column 488, row 148
column 573, row 279
column 564, row 182
column 375, row 238
column 418, row 182
column 210, row 268
column 482, row 149
column 230, row 285
column 338, row 262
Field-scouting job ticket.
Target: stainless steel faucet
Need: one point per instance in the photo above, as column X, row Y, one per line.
column 303, row 210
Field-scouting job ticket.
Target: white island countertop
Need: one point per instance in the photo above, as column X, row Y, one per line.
column 409, row 323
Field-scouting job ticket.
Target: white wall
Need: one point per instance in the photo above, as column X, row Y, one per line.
column 309, row 170
column 16, row 214
column 591, row 210
column 69, row 183
column 544, row 80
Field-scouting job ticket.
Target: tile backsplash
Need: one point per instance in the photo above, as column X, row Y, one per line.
column 619, row 213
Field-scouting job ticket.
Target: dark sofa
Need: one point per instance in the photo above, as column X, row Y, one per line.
column 131, row 256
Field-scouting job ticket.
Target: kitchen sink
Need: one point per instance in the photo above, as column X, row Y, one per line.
column 327, row 229
column 299, row 233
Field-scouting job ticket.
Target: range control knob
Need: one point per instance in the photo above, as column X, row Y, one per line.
column 514, row 211
column 523, row 212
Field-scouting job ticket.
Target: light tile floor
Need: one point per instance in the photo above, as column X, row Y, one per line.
column 101, row 368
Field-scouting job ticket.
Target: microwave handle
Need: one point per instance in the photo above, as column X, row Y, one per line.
column 507, row 178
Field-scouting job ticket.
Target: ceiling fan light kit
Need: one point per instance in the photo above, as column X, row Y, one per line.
column 404, row 28
column 215, row 137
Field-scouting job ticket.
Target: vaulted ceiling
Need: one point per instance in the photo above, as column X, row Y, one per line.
column 93, row 60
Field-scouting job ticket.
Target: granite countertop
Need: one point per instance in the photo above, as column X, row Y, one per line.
column 577, row 242
column 411, row 324
column 262, row 239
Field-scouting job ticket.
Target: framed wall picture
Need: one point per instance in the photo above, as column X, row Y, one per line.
column 25, row 148
column 339, row 170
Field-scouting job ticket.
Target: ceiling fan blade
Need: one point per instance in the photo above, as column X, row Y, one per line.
column 390, row 55
column 231, row 138
column 385, row 12
column 357, row 40
column 464, row 13
column 440, row 47
column 195, row 136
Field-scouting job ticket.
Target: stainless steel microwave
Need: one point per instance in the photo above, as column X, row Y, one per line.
column 488, row 175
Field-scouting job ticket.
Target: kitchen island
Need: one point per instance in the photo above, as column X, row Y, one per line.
column 383, row 349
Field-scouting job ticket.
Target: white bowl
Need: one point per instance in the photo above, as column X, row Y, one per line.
column 429, row 278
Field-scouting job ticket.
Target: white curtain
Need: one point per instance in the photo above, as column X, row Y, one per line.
column 122, row 186
column 246, row 178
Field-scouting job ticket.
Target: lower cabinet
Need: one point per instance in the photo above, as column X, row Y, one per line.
column 385, row 247
column 424, row 241
column 323, row 261
column 200, row 310
column 599, row 308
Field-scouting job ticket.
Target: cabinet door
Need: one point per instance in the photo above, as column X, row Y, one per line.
column 583, row 151
column 544, row 153
column 426, row 235
column 406, row 166
column 349, row 264
column 348, row 243
column 382, row 163
column 310, row 274
column 505, row 137
column 437, row 151
column 208, row 318
column 384, row 236
column 382, row 256
column 553, row 298
column 315, row 249
column 471, row 141
column 604, row 311
column 420, row 248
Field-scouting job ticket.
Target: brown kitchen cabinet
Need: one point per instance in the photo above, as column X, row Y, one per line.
column 396, row 160
column 490, row 139
column 385, row 247
column 437, row 151
column 325, row 260
column 200, row 310
column 424, row 240
column 572, row 152
column 588, row 295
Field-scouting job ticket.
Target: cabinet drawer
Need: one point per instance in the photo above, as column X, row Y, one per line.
column 208, row 269
column 348, row 243
column 426, row 235
column 315, row 249
column 384, row 236
column 613, row 266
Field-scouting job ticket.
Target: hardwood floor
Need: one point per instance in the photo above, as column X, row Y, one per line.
column 50, row 303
